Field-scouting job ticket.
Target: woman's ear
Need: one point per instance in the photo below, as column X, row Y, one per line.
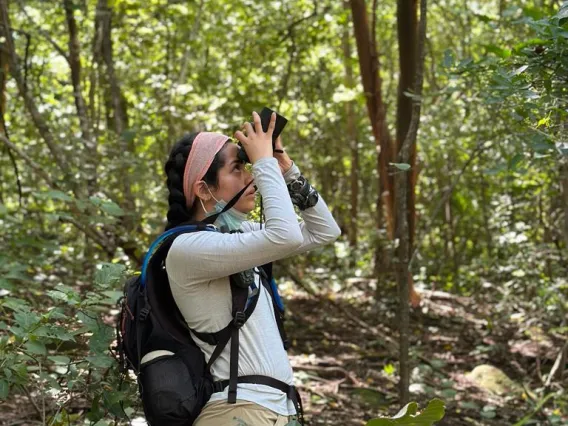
column 201, row 191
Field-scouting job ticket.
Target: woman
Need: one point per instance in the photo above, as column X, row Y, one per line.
column 204, row 174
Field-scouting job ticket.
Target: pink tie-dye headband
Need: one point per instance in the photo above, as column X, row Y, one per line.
column 203, row 150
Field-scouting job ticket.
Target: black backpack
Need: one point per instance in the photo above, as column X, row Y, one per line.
column 174, row 388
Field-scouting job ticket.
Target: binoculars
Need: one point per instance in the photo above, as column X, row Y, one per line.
column 265, row 115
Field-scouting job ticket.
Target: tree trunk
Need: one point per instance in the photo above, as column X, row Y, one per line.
column 353, row 140
column 90, row 159
column 564, row 181
column 403, row 184
column 369, row 67
column 116, row 108
column 372, row 85
column 407, row 44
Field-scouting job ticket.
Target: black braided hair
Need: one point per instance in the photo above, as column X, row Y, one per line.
column 178, row 213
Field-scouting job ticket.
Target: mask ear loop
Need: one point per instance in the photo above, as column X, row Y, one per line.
column 211, row 219
column 201, row 201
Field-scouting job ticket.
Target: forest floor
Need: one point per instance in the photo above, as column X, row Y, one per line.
column 344, row 354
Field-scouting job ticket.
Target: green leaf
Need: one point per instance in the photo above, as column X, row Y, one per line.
column 407, row 415
column 60, row 359
column 448, row 59
column 469, row 405
column 101, row 339
column 128, row 135
column 112, row 208
column 100, row 361
column 6, row 285
column 520, row 70
column 499, row 51
column 109, row 274
column 401, row 166
column 563, row 13
column 16, row 304
column 26, row 320
column 113, row 295
column 60, row 333
column 448, row 393
column 4, row 389
column 89, row 320
column 389, row 369
column 58, row 195
column 35, row 347
column 515, row 161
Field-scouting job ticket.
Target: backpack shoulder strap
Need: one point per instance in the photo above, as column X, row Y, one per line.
column 277, row 305
column 155, row 285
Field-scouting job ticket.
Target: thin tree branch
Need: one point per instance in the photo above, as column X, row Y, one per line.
column 96, row 236
column 31, row 106
column 31, row 399
column 33, row 165
column 480, row 147
column 44, row 33
column 75, row 65
column 186, row 53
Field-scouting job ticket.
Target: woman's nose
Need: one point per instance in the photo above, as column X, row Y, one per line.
column 248, row 177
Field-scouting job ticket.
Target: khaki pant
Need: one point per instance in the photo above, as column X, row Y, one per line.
column 243, row 413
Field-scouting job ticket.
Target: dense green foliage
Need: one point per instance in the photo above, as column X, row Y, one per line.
column 492, row 193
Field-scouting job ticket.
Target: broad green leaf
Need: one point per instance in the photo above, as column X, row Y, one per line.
column 515, row 161
column 60, row 359
column 26, row 319
column 35, row 347
column 448, row 59
column 89, row 320
column 520, row 70
column 401, row 166
column 112, row 208
column 113, row 295
column 499, row 51
column 563, row 13
column 4, row 389
column 128, row 135
column 61, row 333
column 16, row 304
column 101, row 339
column 407, row 415
column 109, row 274
column 58, row 195
column 100, row 361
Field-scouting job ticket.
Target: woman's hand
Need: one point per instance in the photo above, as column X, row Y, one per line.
column 256, row 142
column 284, row 161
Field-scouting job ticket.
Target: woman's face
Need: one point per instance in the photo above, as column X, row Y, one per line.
column 233, row 177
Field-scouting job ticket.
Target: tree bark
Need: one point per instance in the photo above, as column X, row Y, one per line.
column 369, row 67
column 402, row 231
column 353, row 139
column 564, row 182
column 407, row 39
column 90, row 159
column 116, row 103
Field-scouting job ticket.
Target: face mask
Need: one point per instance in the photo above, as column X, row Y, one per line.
column 232, row 219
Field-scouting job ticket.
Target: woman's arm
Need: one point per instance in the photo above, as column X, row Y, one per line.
column 318, row 226
column 210, row 255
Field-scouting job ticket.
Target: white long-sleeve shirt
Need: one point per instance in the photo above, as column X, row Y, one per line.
column 199, row 265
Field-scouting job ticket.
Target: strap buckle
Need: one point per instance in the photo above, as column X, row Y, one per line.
column 239, row 319
column 144, row 313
